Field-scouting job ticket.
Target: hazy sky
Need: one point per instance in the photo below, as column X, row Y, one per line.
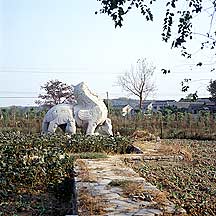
column 42, row 40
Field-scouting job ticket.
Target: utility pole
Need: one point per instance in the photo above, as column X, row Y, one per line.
column 108, row 108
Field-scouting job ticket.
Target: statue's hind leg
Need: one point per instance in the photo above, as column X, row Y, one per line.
column 91, row 128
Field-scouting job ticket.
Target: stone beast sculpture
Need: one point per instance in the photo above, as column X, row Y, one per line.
column 90, row 113
column 62, row 116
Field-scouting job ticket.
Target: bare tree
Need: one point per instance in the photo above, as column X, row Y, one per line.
column 138, row 81
column 57, row 92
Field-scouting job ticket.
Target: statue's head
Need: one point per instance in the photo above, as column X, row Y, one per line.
column 81, row 86
column 80, row 89
column 105, row 128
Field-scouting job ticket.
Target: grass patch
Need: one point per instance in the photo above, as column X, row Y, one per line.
column 90, row 155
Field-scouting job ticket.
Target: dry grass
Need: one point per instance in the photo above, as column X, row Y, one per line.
column 169, row 149
column 90, row 205
column 128, row 187
column 83, row 172
column 187, row 154
column 143, row 135
column 154, row 148
column 123, row 172
column 160, row 197
column 175, row 149
column 147, row 147
column 131, row 189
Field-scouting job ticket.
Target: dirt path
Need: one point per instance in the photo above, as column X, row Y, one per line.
column 108, row 187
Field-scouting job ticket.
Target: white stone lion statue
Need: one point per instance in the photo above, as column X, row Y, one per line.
column 89, row 113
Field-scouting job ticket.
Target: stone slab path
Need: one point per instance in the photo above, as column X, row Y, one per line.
column 107, row 186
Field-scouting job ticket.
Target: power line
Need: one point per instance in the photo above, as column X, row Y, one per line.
column 15, row 97
column 54, row 72
column 15, row 92
column 39, row 72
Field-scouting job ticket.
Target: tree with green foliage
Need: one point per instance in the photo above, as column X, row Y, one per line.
column 192, row 97
column 5, row 116
column 179, row 17
column 138, row 81
column 56, row 92
column 212, row 89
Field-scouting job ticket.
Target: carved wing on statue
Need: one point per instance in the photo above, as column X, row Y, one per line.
column 85, row 115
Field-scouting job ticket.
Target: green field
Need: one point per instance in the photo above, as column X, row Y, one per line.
column 36, row 171
column 190, row 183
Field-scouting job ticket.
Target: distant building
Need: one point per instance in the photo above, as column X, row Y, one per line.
column 159, row 105
column 147, row 106
column 156, row 105
column 195, row 107
column 119, row 103
column 181, row 106
column 151, row 106
column 126, row 110
column 204, row 100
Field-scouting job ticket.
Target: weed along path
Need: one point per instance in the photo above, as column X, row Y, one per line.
column 107, row 186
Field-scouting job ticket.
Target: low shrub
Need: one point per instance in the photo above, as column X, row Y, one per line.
column 35, row 169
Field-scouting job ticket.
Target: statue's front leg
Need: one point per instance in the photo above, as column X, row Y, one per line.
column 91, row 128
column 71, row 127
column 45, row 126
column 52, row 127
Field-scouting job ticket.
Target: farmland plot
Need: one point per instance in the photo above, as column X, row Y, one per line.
column 35, row 172
column 190, row 183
